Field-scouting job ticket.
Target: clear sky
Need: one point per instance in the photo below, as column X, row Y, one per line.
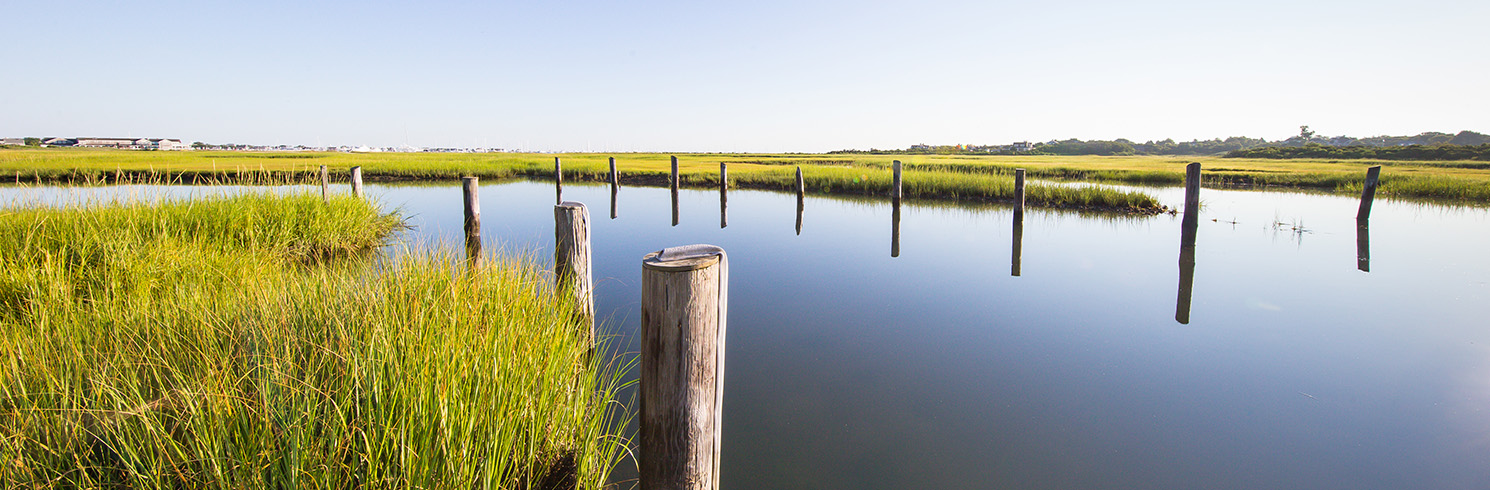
column 766, row 76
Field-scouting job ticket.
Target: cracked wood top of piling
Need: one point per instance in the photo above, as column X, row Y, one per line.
column 681, row 265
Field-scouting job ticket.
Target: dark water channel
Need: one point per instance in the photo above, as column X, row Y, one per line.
column 986, row 356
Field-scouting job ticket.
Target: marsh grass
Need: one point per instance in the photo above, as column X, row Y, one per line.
column 249, row 341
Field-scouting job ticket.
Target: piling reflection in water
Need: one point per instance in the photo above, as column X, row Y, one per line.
column 1187, row 268
column 800, row 206
column 1363, row 245
column 1018, row 247
column 895, row 228
column 613, row 191
column 675, row 207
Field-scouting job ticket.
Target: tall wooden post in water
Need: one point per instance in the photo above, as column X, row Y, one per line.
column 615, row 186
column 325, row 185
column 895, row 191
column 572, row 257
column 684, row 299
column 723, row 195
column 1018, row 196
column 558, row 182
column 1368, row 192
column 1189, row 225
column 472, row 224
column 1192, row 188
column 673, row 181
column 357, row 181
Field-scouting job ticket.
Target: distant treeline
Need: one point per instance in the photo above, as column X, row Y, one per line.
column 1413, row 152
column 1466, row 145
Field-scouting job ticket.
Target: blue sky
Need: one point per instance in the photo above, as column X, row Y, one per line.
column 753, row 76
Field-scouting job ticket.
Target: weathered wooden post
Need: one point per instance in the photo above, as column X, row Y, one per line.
column 895, row 228
column 572, row 257
column 558, row 182
column 1368, row 192
column 1192, row 188
column 1018, row 196
column 801, row 185
column 615, row 186
column 895, row 192
column 1363, row 245
column 357, row 181
column 673, row 182
column 723, row 195
column 325, row 185
column 1018, row 253
column 469, row 187
column 684, row 303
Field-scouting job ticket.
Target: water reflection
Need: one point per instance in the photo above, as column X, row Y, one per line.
column 614, row 189
column 723, row 206
column 675, row 206
column 1363, row 245
column 800, row 206
column 1187, row 267
column 894, row 228
column 1018, row 245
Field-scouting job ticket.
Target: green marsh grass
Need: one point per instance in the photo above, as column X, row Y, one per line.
column 251, row 341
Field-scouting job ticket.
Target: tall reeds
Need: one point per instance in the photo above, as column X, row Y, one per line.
column 251, row 342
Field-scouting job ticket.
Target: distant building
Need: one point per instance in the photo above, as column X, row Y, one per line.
column 13, row 141
column 106, row 142
column 132, row 143
column 1022, row 146
column 59, row 142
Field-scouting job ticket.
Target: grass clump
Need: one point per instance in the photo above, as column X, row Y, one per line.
column 212, row 344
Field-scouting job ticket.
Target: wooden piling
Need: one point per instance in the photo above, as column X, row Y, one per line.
column 1192, row 188
column 895, row 192
column 472, row 225
column 325, row 185
column 615, row 186
column 357, row 181
column 1368, row 192
column 723, row 195
column 682, row 370
column 1018, row 196
column 572, row 257
column 673, row 182
column 558, row 182
column 801, row 185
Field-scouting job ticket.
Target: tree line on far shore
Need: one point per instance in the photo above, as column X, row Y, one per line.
column 1465, row 145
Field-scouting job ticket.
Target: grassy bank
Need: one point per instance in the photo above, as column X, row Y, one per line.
column 866, row 176
column 248, row 342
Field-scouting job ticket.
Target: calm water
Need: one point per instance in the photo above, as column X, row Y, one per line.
column 849, row 368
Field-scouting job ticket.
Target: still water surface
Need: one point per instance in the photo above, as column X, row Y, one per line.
column 849, row 368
